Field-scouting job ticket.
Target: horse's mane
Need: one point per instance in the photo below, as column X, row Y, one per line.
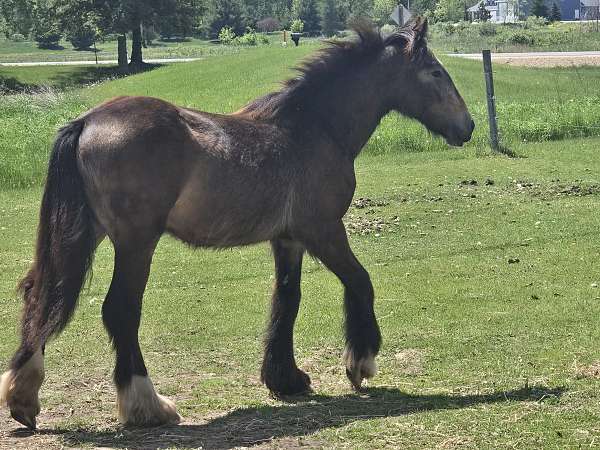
column 332, row 61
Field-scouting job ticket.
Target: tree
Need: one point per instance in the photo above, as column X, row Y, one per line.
column 483, row 13
column 555, row 13
column 268, row 24
column 18, row 16
column 306, row 10
column 330, row 20
column 46, row 24
column 539, row 8
column 382, row 9
column 227, row 13
column 449, row 10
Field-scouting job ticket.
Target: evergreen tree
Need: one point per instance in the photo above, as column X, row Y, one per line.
column 555, row 13
column 307, row 11
column 539, row 8
column 330, row 21
column 227, row 13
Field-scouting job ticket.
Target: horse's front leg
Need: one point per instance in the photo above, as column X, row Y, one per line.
column 279, row 371
column 363, row 338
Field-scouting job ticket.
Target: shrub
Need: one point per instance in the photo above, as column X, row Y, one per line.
column 520, row 38
column 17, row 37
column 297, row 26
column 248, row 38
column 534, row 22
column 47, row 39
column 82, row 38
column 226, row 35
column 487, row 29
column 251, row 37
column 268, row 24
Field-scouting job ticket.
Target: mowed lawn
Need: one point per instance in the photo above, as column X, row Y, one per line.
column 484, row 269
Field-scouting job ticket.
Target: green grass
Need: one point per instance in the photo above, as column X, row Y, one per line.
column 476, row 350
column 527, row 36
column 533, row 104
column 28, row 51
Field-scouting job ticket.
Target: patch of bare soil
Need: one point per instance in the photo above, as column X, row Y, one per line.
column 410, row 361
column 556, row 188
column 590, row 371
column 550, row 61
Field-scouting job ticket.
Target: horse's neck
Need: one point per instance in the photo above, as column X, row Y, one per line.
column 350, row 113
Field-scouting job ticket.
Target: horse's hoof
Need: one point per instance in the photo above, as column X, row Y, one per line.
column 19, row 391
column 139, row 405
column 287, row 383
column 29, row 422
column 359, row 369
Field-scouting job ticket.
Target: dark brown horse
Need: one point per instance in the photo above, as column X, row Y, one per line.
column 279, row 170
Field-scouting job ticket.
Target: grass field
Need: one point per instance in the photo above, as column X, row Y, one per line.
column 28, row 51
column 483, row 265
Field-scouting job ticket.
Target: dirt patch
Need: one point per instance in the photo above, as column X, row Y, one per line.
column 590, row 371
column 550, row 61
column 410, row 361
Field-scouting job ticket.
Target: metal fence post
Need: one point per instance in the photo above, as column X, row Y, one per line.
column 491, row 100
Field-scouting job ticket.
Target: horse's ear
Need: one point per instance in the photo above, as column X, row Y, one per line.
column 416, row 35
column 419, row 28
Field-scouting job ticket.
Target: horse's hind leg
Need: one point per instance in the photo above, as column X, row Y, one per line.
column 137, row 401
column 362, row 332
column 279, row 371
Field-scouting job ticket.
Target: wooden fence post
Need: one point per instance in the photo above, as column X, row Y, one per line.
column 491, row 99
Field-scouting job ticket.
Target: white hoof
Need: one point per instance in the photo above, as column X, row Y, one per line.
column 359, row 369
column 140, row 405
column 19, row 390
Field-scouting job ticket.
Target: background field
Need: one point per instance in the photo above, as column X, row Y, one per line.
column 484, row 269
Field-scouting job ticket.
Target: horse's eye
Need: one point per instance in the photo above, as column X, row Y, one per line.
column 436, row 73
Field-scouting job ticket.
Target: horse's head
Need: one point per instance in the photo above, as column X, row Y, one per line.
column 421, row 88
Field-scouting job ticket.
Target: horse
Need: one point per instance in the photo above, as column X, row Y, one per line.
column 281, row 170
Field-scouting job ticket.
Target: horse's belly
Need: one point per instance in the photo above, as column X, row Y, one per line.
column 221, row 224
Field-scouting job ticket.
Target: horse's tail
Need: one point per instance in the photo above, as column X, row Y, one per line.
column 64, row 250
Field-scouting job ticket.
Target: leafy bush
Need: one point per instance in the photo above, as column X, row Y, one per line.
column 534, row 22
column 47, row 39
column 226, row 36
column 17, row 37
column 487, row 29
column 82, row 38
column 297, row 26
column 520, row 38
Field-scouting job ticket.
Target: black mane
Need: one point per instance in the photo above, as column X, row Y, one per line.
column 330, row 62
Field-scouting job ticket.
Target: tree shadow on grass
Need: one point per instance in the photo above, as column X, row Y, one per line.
column 301, row 417
column 86, row 75
column 68, row 77
column 11, row 85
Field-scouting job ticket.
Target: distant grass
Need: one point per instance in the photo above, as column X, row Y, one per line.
column 527, row 36
column 533, row 104
column 477, row 351
column 28, row 51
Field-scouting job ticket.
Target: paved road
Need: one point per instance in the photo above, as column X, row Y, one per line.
column 91, row 63
column 529, row 55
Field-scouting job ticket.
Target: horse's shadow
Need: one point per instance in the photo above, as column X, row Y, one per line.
column 300, row 417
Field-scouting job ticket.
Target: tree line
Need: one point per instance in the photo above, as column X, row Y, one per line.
column 83, row 22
